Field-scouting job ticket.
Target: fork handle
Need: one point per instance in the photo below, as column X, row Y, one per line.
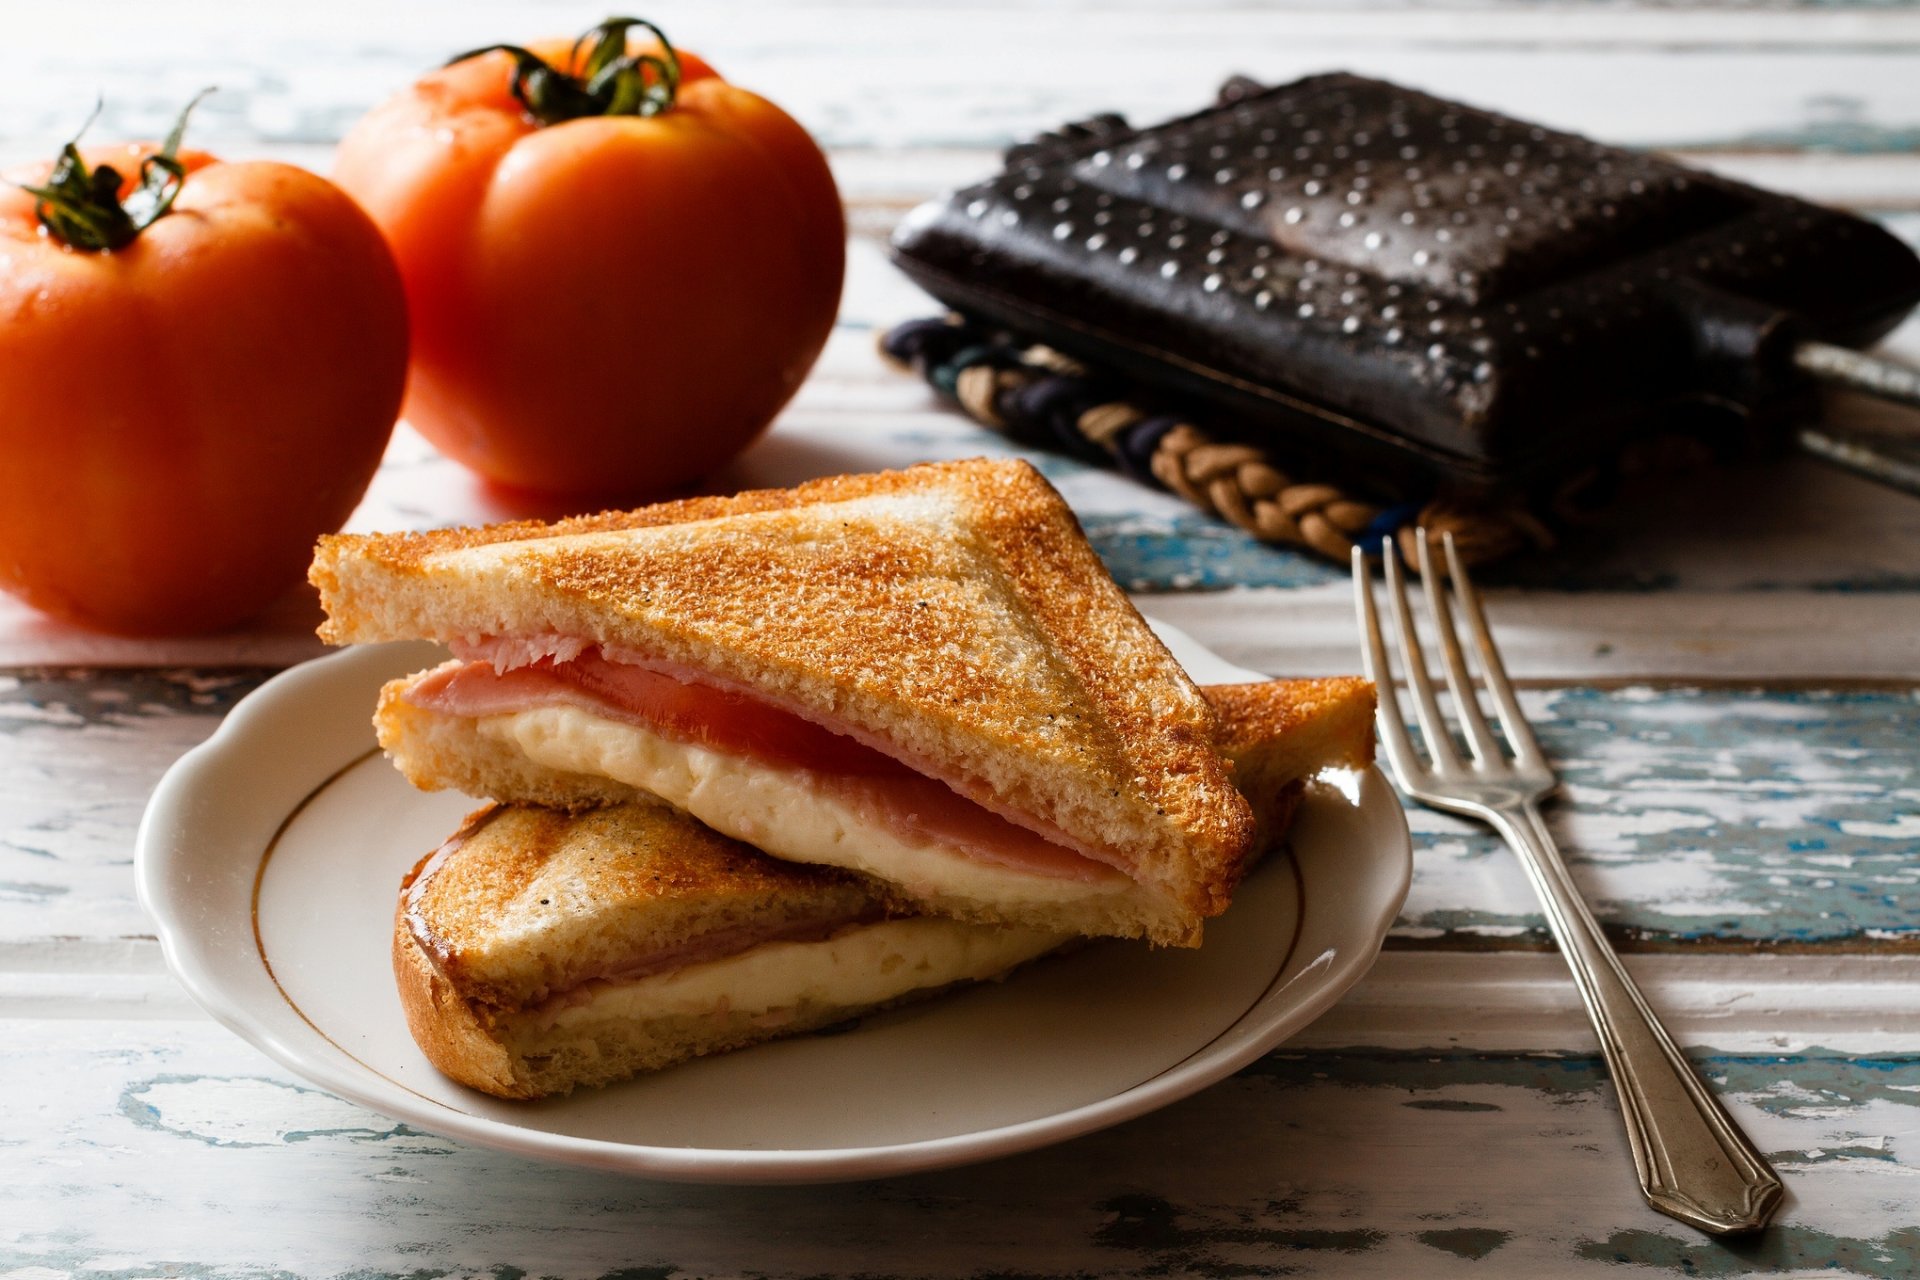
column 1694, row 1163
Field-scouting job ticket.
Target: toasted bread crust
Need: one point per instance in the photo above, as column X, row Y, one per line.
column 526, row 901
column 486, row 1048
column 438, row 752
column 1275, row 733
column 1292, row 728
column 1279, row 733
column 954, row 609
column 445, row 1025
column 522, row 902
column 527, row 917
column 443, row 753
column 473, row 1043
column 462, row 1014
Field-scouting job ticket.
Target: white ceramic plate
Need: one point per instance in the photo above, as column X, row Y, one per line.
column 270, row 856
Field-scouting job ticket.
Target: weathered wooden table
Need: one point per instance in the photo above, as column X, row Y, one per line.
column 1728, row 671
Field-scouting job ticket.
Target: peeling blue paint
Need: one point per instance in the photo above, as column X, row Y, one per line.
column 1472, row 1243
column 1792, row 807
column 27, row 891
column 41, row 698
column 136, row 1108
column 1108, row 1224
column 1784, row 1084
column 1198, row 553
column 1834, row 1155
column 1786, row 805
column 1843, row 127
column 1189, row 1239
column 1779, row 1248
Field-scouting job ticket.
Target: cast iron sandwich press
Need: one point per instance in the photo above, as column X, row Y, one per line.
column 1421, row 291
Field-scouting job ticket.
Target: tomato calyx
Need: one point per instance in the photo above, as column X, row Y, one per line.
column 82, row 208
column 607, row 81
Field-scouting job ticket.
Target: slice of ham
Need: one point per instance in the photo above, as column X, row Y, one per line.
column 502, row 677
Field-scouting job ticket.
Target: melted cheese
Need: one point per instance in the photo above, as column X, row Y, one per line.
column 859, row 967
column 774, row 810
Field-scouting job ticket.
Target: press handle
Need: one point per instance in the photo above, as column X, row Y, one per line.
column 1889, row 452
column 1852, row 371
column 1753, row 352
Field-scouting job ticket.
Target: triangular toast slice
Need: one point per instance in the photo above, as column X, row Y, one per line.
column 1279, row 734
column 539, row 950
column 793, row 666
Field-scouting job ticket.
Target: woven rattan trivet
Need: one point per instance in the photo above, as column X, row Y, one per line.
column 1036, row 395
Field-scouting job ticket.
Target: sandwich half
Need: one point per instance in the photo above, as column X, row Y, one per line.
column 1280, row 734
column 540, row 950
column 924, row 676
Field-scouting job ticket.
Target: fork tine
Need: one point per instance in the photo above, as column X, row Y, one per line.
column 1512, row 722
column 1373, row 656
column 1466, row 699
column 1446, row 757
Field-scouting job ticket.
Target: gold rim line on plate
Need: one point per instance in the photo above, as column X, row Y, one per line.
column 286, row 823
column 260, row 943
column 1279, row 973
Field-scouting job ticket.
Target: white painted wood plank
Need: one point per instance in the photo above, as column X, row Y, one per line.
column 64, row 956
column 1878, row 182
column 1775, row 530
column 124, row 997
column 1724, row 819
column 895, row 75
column 1526, row 1001
column 1412, row 999
column 881, row 183
column 1395, row 1159
column 1725, row 635
column 1366, row 1162
column 1736, row 618
column 1729, row 624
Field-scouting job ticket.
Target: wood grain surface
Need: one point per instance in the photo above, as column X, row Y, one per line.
column 1370, row 1162
column 1726, row 667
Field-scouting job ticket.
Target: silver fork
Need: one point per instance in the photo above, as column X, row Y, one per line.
column 1694, row 1162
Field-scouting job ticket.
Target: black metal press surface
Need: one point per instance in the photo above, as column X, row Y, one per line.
column 1429, row 290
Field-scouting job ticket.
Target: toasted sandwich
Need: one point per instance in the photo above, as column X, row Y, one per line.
column 540, row 950
column 1280, row 734
column 923, row 676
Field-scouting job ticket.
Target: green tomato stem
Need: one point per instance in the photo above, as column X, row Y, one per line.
column 81, row 207
column 609, row 80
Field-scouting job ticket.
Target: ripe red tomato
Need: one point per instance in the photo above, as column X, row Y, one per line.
column 604, row 302
column 183, row 412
